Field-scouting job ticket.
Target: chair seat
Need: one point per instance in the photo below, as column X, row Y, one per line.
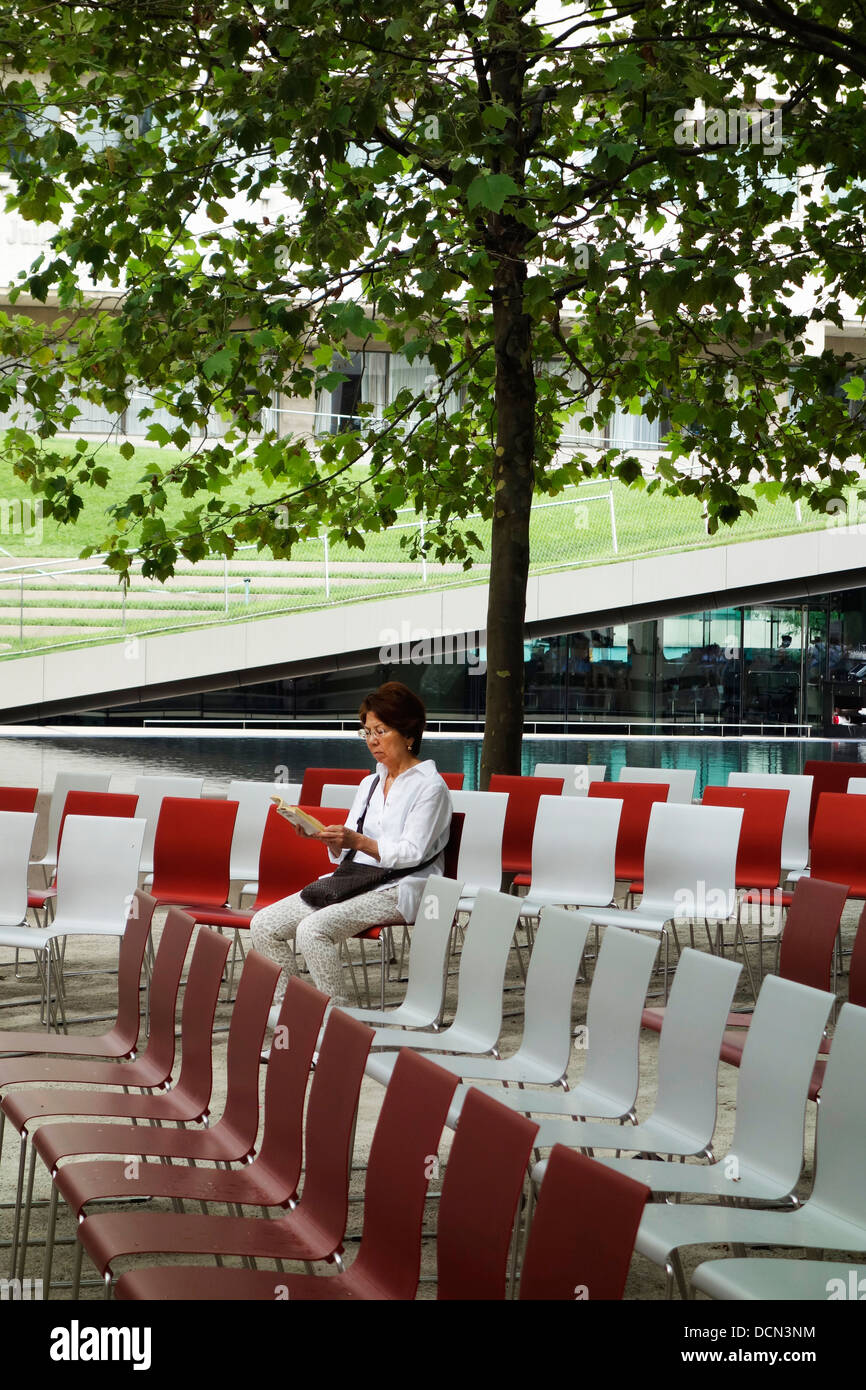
column 219, row 917
column 369, row 934
column 25, row 938
column 779, row 1280
column 37, row 897
column 753, row 894
column 531, row 905
column 522, row 880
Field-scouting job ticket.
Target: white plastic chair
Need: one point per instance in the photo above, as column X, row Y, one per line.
column 684, row 1117
column 765, row 1159
column 66, row 782
column 480, row 861
column 254, row 802
column 680, row 781
column 542, row 1058
column 573, row 853
column 690, row 867
column 857, row 786
column 607, row 1089
column 337, row 794
column 150, row 792
column 576, row 777
column 96, row 877
column 428, row 961
column 16, row 838
column 834, row 1216
column 780, row 1281
column 478, row 1018
column 795, row 836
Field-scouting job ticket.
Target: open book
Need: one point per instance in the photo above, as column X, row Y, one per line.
column 306, row 824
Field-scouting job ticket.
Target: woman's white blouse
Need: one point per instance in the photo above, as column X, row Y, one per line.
column 410, row 825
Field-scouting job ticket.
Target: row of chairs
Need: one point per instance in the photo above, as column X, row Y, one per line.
column 584, row 1224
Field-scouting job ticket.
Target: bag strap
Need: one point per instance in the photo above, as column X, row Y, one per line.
column 360, row 826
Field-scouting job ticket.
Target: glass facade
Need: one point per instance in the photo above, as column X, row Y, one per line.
column 799, row 668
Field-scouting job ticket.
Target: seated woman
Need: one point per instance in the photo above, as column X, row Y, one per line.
column 407, row 823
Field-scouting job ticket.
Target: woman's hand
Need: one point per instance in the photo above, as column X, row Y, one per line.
column 337, row 838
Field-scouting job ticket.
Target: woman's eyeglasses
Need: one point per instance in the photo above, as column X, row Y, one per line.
column 368, row 734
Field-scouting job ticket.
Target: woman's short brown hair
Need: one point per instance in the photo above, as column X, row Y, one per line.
column 398, row 707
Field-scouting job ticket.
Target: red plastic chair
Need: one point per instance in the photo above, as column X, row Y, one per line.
column 828, row 776
column 122, row 1038
column 83, row 803
column 453, row 780
column 271, row 1179
column 839, row 841
column 805, row 954
column 388, row 1261
column 523, row 794
column 483, row 1182
column 18, row 798
column 187, row 1100
column 583, row 1231
column 638, row 799
column 384, row 934
column 192, row 852
column 313, row 1230
column 759, row 858
column 315, row 778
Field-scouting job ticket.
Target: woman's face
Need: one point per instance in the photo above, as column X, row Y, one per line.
column 386, row 744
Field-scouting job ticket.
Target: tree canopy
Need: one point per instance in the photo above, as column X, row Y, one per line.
column 604, row 207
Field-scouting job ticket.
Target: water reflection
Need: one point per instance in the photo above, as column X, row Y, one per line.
column 34, row 761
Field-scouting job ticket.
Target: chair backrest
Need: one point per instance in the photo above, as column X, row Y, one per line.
column 828, row 776
column 97, row 873
column 806, row 950
column 192, row 851
column 16, row 840
column 164, row 987
column 690, row 863
column 841, row 1135
column 300, row 1020
column 288, row 861
column 759, row 858
column 83, row 803
column 340, row 794
column 690, row 1043
column 775, row 1071
column 481, row 974
column 482, row 1186
column 453, row 780
column 195, row 1080
column 637, row 800
column 577, row 778
column 857, row 965
column 583, row 1230
column 574, row 849
column 681, row 780
column 329, row 1131
column 151, row 792
column 18, row 798
column 133, row 944
column 550, row 977
column 64, row 782
column 856, row 787
column 795, row 837
column 613, row 1015
column 254, row 803
column 523, row 794
column 839, row 841
column 402, row 1162
column 480, row 862
column 315, row 778
column 431, row 936
column 247, row 1029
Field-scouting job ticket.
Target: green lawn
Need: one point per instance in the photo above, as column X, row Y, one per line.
column 579, row 530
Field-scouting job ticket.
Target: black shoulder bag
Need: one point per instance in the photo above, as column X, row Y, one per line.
column 349, row 879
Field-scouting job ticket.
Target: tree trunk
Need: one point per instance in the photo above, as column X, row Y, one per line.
column 513, row 481
column 514, row 463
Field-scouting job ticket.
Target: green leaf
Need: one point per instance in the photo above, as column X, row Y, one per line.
column 490, row 191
